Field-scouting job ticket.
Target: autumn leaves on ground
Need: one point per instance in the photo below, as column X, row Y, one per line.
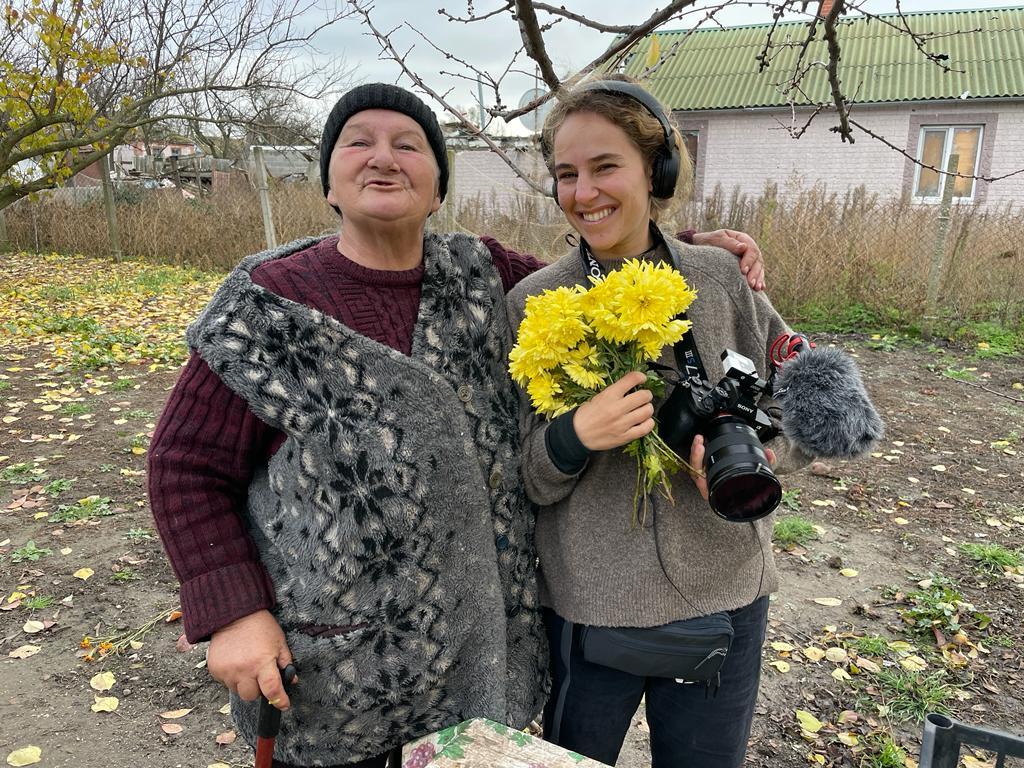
column 902, row 572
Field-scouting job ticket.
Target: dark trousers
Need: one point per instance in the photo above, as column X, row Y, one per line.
column 591, row 706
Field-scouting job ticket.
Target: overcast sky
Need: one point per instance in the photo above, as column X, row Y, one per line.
column 489, row 44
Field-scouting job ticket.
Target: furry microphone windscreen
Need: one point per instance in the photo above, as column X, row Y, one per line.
column 826, row 410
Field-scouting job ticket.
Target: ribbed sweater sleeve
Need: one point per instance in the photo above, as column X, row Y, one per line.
column 200, row 463
column 512, row 266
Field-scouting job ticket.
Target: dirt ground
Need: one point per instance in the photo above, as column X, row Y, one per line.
column 948, row 472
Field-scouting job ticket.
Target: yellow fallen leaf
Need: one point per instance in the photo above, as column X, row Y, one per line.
column 782, row 647
column 939, row 468
column 913, row 663
column 835, row 654
column 847, row 738
column 847, row 716
column 135, row 644
column 823, row 502
column 32, row 626
column 25, row 756
column 869, row 665
column 138, row 450
column 83, row 573
column 817, row 757
column 174, row 714
column 900, row 521
column 831, row 602
column 15, row 596
column 105, row 704
column 812, row 653
column 218, row 765
column 848, row 572
column 65, row 550
column 50, row 408
column 972, row 762
column 782, row 666
column 808, row 722
column 901, row 645
column 840, row 674
column 103, row 681
column 226, row 709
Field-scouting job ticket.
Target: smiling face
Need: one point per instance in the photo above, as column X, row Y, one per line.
column 603, row 185
column 382, row 170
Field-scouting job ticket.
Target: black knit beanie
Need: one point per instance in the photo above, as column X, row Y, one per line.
column 382, row 96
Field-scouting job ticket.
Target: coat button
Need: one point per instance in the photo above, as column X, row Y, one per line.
column 501, row 542
column 465, row 393
column 495, row 479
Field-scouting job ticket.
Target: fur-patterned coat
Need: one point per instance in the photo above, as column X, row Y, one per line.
column 392, row 520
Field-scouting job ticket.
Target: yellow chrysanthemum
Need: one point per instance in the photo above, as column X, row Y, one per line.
column 585, row 377
column 553, row 325
column 544, row 393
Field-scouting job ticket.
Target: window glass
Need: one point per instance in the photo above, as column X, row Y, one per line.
column 965, row 144
column 931, row 154
column 690, row 140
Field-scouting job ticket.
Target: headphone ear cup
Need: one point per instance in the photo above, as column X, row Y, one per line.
column 665, row 174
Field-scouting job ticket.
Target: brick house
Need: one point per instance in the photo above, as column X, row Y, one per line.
column 735, row 119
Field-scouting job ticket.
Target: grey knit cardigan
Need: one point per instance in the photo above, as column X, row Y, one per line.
column 392, row 520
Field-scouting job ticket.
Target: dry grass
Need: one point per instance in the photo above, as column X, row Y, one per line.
column 828, row 255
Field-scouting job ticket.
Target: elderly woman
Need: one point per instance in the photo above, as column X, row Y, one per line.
column 336, row 473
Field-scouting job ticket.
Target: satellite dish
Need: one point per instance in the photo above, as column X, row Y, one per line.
column 534, row 120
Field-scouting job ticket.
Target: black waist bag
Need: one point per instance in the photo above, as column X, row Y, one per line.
column 691, row 650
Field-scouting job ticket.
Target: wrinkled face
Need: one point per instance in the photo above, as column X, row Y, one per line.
column 382, row 170
column 604, row 185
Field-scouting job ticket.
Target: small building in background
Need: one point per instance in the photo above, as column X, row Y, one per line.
column 737, row 120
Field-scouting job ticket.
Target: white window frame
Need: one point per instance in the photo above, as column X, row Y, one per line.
column 947, row 146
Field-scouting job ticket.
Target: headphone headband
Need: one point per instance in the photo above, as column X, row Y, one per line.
column 665, row 166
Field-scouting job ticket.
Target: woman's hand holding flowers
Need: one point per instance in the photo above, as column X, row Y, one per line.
column 617, row 415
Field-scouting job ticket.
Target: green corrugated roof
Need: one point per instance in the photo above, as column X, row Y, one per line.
column 717, row 68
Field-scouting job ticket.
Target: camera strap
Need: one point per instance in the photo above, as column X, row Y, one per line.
column 687, row 357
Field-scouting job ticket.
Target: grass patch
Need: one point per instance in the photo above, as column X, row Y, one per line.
column 57, row 487
column 992, row 557
column 869, row 645
column 139, row 414
column 75, row 409
column 938, row 604
column 125, row 574
column 139, row 534
column 123, row 384
column 960, row 374
column 883, row 753
column 22, row 474
column 29, row 553
column 911, row 695
column 38, row 603
column 791, row 499
column 793, row 530
column 83, row 509
column 991, row 339
column 5, row 385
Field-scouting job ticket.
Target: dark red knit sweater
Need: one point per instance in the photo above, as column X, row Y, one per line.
column 208, row 442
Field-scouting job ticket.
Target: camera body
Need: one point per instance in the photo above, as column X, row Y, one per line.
column 741, row 484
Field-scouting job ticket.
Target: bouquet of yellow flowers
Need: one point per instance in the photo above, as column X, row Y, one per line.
column 574, row 342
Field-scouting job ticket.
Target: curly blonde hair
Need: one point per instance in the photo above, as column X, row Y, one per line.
column 642, row 128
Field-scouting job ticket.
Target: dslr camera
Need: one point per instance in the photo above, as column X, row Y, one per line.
column 741, row 484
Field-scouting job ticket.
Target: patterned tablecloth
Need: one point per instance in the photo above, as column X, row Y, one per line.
column 483, row 743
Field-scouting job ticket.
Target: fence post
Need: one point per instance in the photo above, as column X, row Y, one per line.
column 261, row 185
column 448, row 212
column 939, row 248
column 4, row 244
column 108, row 205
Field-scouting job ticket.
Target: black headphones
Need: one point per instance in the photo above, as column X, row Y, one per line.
column 665, row 166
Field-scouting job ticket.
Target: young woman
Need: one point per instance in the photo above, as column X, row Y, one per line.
column 616, row 160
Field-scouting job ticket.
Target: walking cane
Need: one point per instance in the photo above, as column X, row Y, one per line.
column 270, row 723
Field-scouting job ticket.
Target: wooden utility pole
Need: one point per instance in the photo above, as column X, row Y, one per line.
column 111, row 210
column 261, row 185
column 939, row 248
column 4, row 245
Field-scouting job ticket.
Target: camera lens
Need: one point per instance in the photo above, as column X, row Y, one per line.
column 741, row 484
